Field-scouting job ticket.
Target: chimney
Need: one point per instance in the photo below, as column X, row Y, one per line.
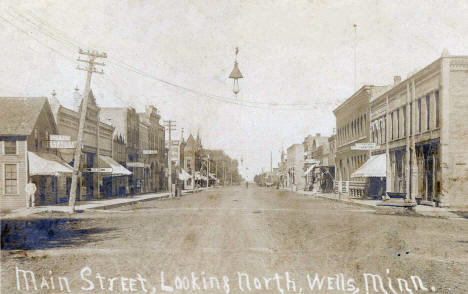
column 396, row 80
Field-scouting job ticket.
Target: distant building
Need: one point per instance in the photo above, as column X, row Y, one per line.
column 295, row 167
column 127, row 123
column 316, row 152
column 151, row 151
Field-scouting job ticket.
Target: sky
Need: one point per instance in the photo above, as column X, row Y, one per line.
column 297, row 58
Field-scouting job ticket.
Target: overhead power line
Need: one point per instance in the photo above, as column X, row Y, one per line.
column 49, row 31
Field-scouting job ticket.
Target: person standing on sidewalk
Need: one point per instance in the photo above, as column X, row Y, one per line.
column 30, row 195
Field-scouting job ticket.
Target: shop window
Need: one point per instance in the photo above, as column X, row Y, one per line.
column 437, row 107
column 10, row 147
column 11, row 179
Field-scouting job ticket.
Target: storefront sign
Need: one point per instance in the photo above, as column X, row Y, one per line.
column 135, row 164
column 59, row 138
column 62, row 144
column 312, row 161
column 150, row 151
column 98, row 170
column 365, row 146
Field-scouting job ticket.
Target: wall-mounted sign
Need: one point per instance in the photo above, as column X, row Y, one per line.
column 150, row 151
column 59, row 138
column 365, row 146
column 98, row 170
column 62, row 144
column 135, row 164
column 312, row 161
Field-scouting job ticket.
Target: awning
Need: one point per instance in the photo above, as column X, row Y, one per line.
column 184, row 175
column 376, row 166
column 199, row 176
column 309, row 169
column 47, row 164
column 117, row 169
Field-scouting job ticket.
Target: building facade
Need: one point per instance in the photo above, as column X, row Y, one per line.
column 97, row 143
column 420, row 125
column 316, row 151
column 26, row 155
column 295, row 167
column 352, row 127
column 127, row 123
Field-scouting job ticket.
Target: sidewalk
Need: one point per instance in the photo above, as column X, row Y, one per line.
column 93, row 204
column 421, row 210
column 85, row 205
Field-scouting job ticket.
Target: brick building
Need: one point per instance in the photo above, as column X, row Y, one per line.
column 421, row 126
column 352, row 127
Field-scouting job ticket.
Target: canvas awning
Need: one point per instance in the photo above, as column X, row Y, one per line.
column 47, row 164
column 184, row 175
column 212, row 176
column 376, row 166
column 310, row 169
column 117, row 168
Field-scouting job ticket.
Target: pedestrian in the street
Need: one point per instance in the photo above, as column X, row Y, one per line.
column 30, row 194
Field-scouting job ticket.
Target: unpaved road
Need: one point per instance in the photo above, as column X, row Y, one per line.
column 229, row 234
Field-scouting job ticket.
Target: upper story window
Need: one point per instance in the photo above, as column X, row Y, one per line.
column 428, row 111
column 392, row 132
column 419, row 115
column 437, row 107
column 10, row 147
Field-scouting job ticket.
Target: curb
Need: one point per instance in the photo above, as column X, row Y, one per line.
column 115, row 205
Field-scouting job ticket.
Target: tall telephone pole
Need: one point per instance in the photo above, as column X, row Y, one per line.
column 90, row 69
column 170, row 126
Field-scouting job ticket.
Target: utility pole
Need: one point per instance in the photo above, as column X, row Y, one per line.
column 92, row 55
column 170, row 125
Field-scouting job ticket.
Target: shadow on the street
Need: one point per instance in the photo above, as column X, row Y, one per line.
column 47, row 233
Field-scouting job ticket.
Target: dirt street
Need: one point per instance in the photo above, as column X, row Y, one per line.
column 235, row 240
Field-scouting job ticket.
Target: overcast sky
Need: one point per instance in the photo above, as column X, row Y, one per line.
column 291, row 52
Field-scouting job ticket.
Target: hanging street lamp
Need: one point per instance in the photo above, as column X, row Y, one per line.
column 236, row 75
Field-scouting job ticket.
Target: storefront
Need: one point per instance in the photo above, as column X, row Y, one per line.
column 429, row 176
column 49, row 173
column 114, row 177
column 374, row 171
